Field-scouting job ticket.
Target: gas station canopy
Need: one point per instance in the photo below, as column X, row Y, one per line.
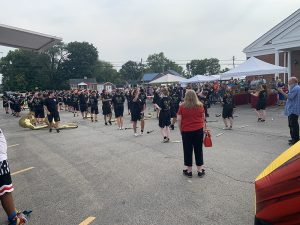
column 20, row 38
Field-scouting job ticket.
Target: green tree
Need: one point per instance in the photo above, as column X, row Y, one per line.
column 104, row 72
column 22, row 65
column 53, row 60
column 203, row 67
column 81, row 59
column 159, row 63
column 224, row 70
column 131, row 71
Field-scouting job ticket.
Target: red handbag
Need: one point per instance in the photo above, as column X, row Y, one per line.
column 207, row 138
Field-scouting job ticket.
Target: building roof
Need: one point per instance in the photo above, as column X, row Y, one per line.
column 147, row 77
column 284, row 35
column 173, row 72
column 78, row 81
column 20, row 38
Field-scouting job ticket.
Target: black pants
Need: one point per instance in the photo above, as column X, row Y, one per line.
column 193, row 141
column 294, row 127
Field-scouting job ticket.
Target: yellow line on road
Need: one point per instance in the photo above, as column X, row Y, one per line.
column 22, row 171
column 13, row 145
column 88, row 220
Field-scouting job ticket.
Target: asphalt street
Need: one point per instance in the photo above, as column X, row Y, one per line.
column 113, row 177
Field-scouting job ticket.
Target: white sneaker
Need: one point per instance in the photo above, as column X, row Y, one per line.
column 120, row 128
column 136, row 135
column 142, row 133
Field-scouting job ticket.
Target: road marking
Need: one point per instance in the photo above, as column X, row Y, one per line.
column 176, row 141
column 219, row 134
column 10, row 146
column 21, row 171
column 88, row 220
column 244, row 126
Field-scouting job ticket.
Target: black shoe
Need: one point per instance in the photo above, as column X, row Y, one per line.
column 262, row 120
column 293, row 142
column 106, row 124
column 187, row 174
column 201, row 174
column 259, row 119
column 172, row 127
column 57, row 130
column 50, row 130
column 109, row 122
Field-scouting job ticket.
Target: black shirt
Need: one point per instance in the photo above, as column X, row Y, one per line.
column 228, row 100
column 106, row 98
column 38, row 103
column 118, row 100
column 82, row 99
column 165, row 103
column 94, row 101
column 262, row 96
column 51, row 104
column 176, row 100
column 75, row 99
column 143, row 98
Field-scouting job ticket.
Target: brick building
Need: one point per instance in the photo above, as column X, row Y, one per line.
column 280, row 46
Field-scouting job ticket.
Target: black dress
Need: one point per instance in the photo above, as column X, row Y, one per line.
column 262, row 100
column 165, row 112
column 228, row 105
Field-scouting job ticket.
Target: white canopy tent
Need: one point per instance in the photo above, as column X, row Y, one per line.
column 253, row 67
column 82, row 84
column 222, row 78
column 168, row 78
column 20, row 38
column 200, row 79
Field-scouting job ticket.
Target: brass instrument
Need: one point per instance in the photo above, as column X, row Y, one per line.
column 29, row 121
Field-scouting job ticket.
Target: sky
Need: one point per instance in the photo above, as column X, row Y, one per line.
column 125, row 30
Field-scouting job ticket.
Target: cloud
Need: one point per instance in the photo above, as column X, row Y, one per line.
column 132, row 29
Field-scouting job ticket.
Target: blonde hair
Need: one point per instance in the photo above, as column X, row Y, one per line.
column 191, row 100
column 165, row 91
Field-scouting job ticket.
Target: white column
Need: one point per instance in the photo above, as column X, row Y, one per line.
column 284, row 65
column 277, row 62
column 289, row 64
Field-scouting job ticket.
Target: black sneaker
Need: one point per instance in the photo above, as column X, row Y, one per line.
column 57, row 130
column 201, row 174
column 187, row 174
column 172, row 127
column 109, row 122
column 50, row 130
column 106, row 124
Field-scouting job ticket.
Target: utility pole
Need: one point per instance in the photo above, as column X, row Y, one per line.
column 233, row 59
column 142, row 71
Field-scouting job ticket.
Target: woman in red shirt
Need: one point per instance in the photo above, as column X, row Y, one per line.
column 191, row 119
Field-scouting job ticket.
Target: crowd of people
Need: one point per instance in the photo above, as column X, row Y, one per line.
column 186, row 106
column 166, row 101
